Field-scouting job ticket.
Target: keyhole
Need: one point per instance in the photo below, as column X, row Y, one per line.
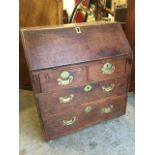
column 108, row 65
column 78, row 30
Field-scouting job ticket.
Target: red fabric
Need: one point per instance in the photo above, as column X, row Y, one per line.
column 79, row 16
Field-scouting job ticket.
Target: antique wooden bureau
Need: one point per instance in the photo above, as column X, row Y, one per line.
column 80, row 74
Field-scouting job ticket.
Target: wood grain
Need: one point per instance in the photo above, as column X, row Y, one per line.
column 40, row 12
column 48, row 54
column 95, row 73
column 129, row 29
column 54, row 127
column 69, row 47
column 49, row 102
column 36, row 13
column 49, row 83
column 46, row 80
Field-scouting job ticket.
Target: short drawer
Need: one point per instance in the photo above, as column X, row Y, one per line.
column 62, row 78
column 52, row 103
column 87, row 115
column 106, row 69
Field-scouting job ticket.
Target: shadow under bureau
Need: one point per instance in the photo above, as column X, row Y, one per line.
column 80, row 74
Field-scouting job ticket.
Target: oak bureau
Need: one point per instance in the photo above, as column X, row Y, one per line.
column 79, row 72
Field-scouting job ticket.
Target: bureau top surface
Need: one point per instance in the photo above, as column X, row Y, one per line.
column 47, row 47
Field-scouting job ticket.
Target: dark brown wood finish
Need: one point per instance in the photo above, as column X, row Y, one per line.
column 50, row 103
column 129, row 29
column 24, row 79
column 69, row 47
column 68, row 106
column 55, row 128
column 95, row 74
column 48, row 80
column 83, row 74
column 97, row 105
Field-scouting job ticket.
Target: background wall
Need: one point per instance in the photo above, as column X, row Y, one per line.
column 69, row 6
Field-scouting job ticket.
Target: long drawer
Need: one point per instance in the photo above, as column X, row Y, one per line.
column 52, row 103
column 86, row 115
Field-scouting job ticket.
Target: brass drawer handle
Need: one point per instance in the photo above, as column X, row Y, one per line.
column 107, row 109
column 109, row 88
column 65, row 78
column 108, row 68
column 69, row 122
column 87, row 88
column 66, row 99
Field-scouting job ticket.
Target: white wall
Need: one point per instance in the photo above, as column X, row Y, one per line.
column 68, row 5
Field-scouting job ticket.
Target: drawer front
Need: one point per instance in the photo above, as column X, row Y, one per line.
column 106, row 69
column 52, row 103
column 87, row 115
column 54, row 80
